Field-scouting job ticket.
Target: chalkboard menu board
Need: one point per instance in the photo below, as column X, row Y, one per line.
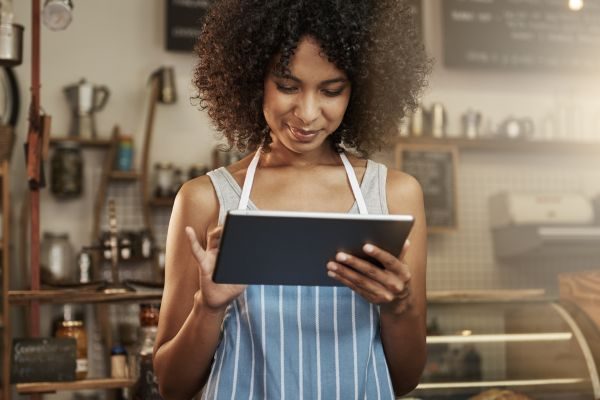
column 534, row 35
column 184, row 23
column 435, row 169
column 43, row 360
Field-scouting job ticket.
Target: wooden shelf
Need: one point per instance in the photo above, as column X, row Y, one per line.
column 161, row 202
column 51, row 387
column 514, row 145
column 124, row 175
column 84, row 142
column 80, row 296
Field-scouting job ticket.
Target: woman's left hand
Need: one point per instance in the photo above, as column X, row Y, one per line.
column 388, row 286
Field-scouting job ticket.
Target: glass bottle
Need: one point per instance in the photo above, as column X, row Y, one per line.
column 146, row 386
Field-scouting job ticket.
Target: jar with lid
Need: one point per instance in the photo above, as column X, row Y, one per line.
column 146, row 386
column 57, row 259
column 67, row 170
column 76, row 330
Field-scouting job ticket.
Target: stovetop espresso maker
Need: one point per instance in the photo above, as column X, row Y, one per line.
column 85, row 99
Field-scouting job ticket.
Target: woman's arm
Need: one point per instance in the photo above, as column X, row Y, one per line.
column 188, row 330
column 403, row 322
column 399, row 288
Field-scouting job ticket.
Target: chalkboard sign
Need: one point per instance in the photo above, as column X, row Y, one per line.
column 184, row 23
column 542, row 35
column 435, row 169
column 43, row 360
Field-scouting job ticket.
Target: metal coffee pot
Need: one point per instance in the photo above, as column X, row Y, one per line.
column 85, row 99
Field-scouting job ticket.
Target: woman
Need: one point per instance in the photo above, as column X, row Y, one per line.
column 297, row 82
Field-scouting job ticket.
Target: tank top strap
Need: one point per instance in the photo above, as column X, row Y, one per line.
column 226, row 189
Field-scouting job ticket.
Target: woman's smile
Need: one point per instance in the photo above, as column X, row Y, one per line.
column 302, row 134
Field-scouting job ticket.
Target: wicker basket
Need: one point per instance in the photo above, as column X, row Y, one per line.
column 7, row 140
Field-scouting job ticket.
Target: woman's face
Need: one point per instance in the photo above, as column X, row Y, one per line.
column 305, row 107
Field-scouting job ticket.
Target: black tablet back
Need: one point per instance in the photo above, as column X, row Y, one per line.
column 293, row 248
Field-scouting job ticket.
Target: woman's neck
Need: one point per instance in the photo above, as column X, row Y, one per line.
column 282, row 156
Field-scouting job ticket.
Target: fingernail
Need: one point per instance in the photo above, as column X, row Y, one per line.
column 331, row 274
column 368, row 248
column 332, row 266
column 407, row 242
column 341, row 257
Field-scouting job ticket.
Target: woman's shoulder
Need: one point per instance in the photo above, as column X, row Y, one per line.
column 403, row 189
column 197, row 197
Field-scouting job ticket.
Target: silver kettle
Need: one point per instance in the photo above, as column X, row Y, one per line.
column 85, row 99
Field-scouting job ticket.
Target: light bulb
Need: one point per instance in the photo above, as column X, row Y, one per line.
column 575, row 5
column 57, row 14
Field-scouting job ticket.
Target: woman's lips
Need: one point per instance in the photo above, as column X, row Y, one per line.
column 302, row 135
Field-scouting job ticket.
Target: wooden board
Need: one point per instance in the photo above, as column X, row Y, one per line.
column 435, row 169
column 583, row 289
column 521, row 35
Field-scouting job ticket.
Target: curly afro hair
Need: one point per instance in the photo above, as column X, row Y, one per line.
column 373, row 41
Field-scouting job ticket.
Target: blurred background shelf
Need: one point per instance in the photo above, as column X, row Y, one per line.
column 86, row 384
column 514, row 145
column 80, row 296
column 84, row 142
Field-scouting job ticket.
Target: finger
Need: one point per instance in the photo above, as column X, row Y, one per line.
column 389, row 261
column 360, row 283
column 214, row 238
column 363, row 266
column 197, row 249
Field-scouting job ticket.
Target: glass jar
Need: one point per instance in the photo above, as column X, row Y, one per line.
column 67, row 170
column 146, row 386
column 76, row 330
column 164, row 179
column 57, row 259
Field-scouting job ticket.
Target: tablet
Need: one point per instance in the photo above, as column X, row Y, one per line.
column 293, row 248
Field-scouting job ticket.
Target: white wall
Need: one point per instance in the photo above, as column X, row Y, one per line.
column 118, row 43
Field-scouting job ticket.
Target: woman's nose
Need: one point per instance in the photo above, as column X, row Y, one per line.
column 307, row 109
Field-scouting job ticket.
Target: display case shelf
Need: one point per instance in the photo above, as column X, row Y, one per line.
column 535, row 348
column 85, row 384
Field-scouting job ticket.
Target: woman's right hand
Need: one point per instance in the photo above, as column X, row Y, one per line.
column 214, row 296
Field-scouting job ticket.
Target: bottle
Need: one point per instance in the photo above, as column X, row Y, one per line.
column 146, row 386
column 125, row 154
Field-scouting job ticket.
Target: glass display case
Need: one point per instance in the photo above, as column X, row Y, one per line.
column 526, row 349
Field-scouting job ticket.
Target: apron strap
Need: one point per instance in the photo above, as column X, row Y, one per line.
column 249, row 179
column 360, row 200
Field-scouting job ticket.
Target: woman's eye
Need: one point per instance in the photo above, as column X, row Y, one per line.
column 286, row 89
column 332, row 93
